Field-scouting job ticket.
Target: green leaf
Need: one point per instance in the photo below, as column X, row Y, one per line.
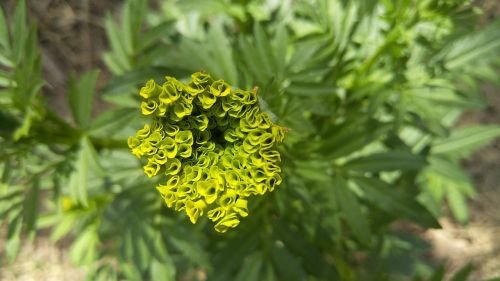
column 222, row 54
column 386, row 161
column 476, row 47
column 64, row 226
column 12, row 248
column 152, row 35
column 128, row 82
column 351, row 211
column 251, row 268
column 463, row 274
column 264, row 50
column 301, row 246
column 464, row 141
column 119, row 55
column 458, row 202
column 127, row 32
column 31, row 207
column 78, row 183
column 81, row 96
column 287, row 266
column 162, row 271
column 438, row 274
column 448, row 169
column 4, row 32
column 112, row 121
column 19, row 31
column 395, row 202
column 281, row 46
column 13, row 235
column 84, row 250
column 344, row 139
column 311, row 89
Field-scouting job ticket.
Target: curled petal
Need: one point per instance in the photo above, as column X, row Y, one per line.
column 207, row 99
column 169, row 93
column 195, row 209
column 228, row 221
column 184, row 150
column 150, row 90
column 184, row 137
column 173, row 166
column 151, row 169
column 149, row 107
column 220, row 88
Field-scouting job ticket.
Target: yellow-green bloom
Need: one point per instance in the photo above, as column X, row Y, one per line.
column 211, row 145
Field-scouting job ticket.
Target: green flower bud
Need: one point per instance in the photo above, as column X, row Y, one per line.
column 220, row 88
column 211, row 144
column 216, row 213
column 144, row 132
column 207, row 99
column 228, row 221
column 184, row 150
column 169, row 146
column 169, row 93
column 150, row 90
column 195, row 209
column 184, row 137
column 151, row 169
column 173, row 166
column 201, row 78
column 208, row 189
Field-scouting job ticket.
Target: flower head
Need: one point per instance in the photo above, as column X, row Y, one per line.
column 212, row 145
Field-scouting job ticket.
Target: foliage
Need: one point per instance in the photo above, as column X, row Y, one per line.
column 369, row 89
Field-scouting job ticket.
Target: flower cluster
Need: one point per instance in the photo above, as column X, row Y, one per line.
column 212, row 143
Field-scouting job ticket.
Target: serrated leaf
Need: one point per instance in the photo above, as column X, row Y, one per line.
column 386, row 161
column 466, row 140
column 81, row 96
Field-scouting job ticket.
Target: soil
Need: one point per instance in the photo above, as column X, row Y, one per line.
column 72, row 40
